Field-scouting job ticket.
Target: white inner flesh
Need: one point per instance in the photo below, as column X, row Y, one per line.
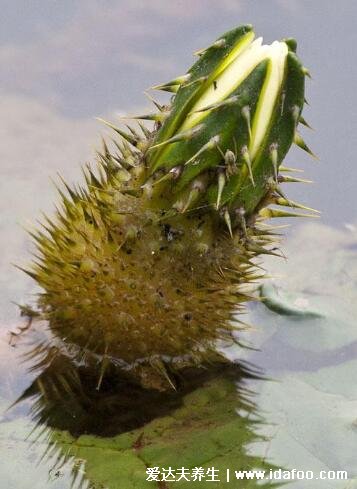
column 234, row 74
column 270, row 92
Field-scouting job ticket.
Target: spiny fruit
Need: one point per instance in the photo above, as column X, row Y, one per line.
column 146, row 266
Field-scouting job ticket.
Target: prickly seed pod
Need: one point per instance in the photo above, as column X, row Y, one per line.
column 143, row 266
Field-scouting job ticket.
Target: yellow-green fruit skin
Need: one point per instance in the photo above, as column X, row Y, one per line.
column 127, row 285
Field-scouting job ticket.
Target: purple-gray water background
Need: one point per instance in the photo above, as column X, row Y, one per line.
column 64, row 63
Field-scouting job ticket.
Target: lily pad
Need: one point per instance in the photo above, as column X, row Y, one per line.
column 211, row 429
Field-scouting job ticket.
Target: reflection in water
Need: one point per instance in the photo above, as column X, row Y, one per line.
column 308, row 412
column 137, row 427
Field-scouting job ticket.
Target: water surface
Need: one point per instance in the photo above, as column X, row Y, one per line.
column 64, row 64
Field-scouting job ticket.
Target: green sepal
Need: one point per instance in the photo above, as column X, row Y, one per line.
column 223, row 122
column 282, row 131
column 206, row 66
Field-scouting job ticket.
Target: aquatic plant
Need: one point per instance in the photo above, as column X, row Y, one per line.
column 146, row 266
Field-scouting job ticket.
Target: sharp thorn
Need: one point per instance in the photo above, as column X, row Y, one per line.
column 246, row 158
column 173, row 85
column 269, row 227
column 303, row 121
column 201, row 79
column 268, row 213
column 221, row 184
column 220, row 43
column 160, row 367
column 197, row 188
column 144, row 130
column 173, row 174
column 246, row 114
column 273, row 151
column 103, row 368
column 182, row 136
column 290, row 203
column 255, row 248
column 229, row 101
column 211, row 144
column 298, row 140
column 227, row 219
column 128, row 137
column 289, row 179
column 306, row 72
column 290, row 170
column 169, row 88
column 155, row 116
column 157, row 105
column 133, row 132
column 279, row 191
